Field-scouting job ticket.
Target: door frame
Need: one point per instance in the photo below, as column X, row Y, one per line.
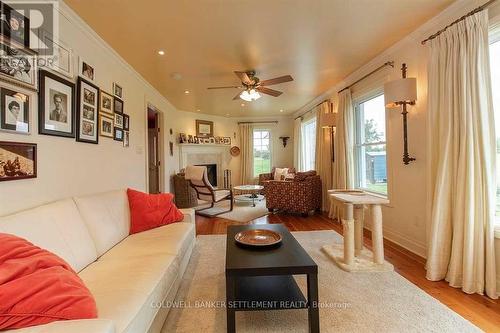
column 161, row 151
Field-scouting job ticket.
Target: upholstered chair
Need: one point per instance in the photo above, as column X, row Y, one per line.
column 302, row 194
column 198, row 178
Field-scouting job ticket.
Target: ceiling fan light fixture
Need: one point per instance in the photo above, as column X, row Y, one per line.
column 249, row 95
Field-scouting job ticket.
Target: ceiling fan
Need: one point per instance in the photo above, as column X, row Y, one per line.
column 252, row 86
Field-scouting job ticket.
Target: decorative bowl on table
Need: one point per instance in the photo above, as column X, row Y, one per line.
column 258, row 237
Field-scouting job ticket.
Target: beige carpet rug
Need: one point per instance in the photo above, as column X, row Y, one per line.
column 350, row 302
column 242, row 212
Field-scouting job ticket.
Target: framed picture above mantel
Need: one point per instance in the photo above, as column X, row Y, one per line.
column 204, row 128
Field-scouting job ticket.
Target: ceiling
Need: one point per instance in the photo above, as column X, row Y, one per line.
column 318, row 42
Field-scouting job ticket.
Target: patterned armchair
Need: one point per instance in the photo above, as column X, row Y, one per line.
column 300, row 195
column 264, row 178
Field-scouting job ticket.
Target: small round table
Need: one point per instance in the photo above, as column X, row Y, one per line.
column 248, row 193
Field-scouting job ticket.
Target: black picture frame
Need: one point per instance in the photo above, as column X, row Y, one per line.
column 118, row 105
column 116, row 131
column 13, row 146
column 126, row 122
column 43, row 75
column 19, row 36
column 4, row 125
column 81, row 105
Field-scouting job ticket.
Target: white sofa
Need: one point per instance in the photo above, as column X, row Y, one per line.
column 128, row 275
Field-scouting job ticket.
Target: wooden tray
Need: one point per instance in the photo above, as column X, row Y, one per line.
column 258, row 237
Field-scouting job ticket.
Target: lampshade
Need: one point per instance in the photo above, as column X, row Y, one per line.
column 401, row 90
column 329, row 120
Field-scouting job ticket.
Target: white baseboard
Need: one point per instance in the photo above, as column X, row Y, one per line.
column 411, row 245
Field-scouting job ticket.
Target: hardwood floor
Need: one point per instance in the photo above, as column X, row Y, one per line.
column 480, row 310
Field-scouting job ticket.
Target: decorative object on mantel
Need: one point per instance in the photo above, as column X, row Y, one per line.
column 284, row 139
column 17, row 160
column 330, row 122
column 235, row 151
column 204, row 128
column 226, row 140
column 402, row 92
column 182, row 138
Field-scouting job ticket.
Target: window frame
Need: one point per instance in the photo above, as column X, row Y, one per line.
column 271, row 143
column 358, row 129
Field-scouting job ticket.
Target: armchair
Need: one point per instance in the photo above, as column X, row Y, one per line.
column 300, row 195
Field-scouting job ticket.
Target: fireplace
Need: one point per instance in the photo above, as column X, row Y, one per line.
column 211, row 172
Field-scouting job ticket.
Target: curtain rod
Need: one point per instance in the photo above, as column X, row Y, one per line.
column 472, row 12
column 389, row 63
column 303, row 114
column 257, row 122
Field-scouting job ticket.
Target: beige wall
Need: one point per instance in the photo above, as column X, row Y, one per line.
column 68, row 168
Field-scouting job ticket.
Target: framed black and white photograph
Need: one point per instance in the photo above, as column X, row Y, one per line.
column 56, row 106
column 86, row 70
column 15, row 110
column 117, row 90
column 118, row 134
column 118, row 121
column 18, row 66
column 15, row 26
column 126, row 122
column 87, row 112
column 60, row 60
column 126, row 138
column 106, row 126
column 118, row 105
column 106, row 103
column 17, row 160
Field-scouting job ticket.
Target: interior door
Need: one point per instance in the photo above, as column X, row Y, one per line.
column 153, row 152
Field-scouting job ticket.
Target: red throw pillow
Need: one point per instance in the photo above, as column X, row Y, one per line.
column 37, row 287
column 149, row 211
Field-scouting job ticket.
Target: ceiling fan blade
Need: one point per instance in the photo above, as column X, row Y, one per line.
column 227, row 87
column 276, row 80
column 237, row 96
column 243, row 76
column 268, row 91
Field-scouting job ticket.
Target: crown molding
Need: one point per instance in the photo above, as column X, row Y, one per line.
column 446, row 16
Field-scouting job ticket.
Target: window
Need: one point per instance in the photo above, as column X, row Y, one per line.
column 261, row 151
column 495, row 85
column 370, row 146
column 308, row 144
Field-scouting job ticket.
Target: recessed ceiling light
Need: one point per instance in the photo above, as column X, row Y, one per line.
column 242, row 104
column 161, row 52
column 198, row 110
column 186, row 92
column 227, row 114
column 281, row 110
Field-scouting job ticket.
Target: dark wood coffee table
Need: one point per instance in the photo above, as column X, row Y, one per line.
column 261, row 279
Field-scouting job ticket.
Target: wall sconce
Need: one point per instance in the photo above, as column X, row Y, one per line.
column 402, row 92
column 284, row 139
column 329, row 121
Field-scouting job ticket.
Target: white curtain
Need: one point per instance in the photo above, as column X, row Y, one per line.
column 343, row 168
column 246, row 143
column 323, row 161
column 297, row 136
column 461, row 241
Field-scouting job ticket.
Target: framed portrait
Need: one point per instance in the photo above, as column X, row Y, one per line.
column 106, row 126
column 56, row 106
column 14, row 25
column 87, row 112
column 190, row 139
column 118, row 120
column 17, row 160
column 61, row 58
column 18, row 65
column 118, row 105
column 15, row 110
column 118, row 134
column 117, row 90
column 226, row 140
column 182, row 138
column 126, row 122
column 204, row 128
column 86, row 70
column 126, row 138
column 106, row 103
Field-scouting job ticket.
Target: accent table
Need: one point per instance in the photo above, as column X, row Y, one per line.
column 248, row 193
column 351, row 256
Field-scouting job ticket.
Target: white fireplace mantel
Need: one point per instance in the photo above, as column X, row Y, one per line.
column 191, row 154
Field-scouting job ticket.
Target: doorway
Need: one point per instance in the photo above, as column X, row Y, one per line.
column 154, row 162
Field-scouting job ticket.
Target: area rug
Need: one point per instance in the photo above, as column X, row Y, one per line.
column 242, row 212
column 349, row 302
